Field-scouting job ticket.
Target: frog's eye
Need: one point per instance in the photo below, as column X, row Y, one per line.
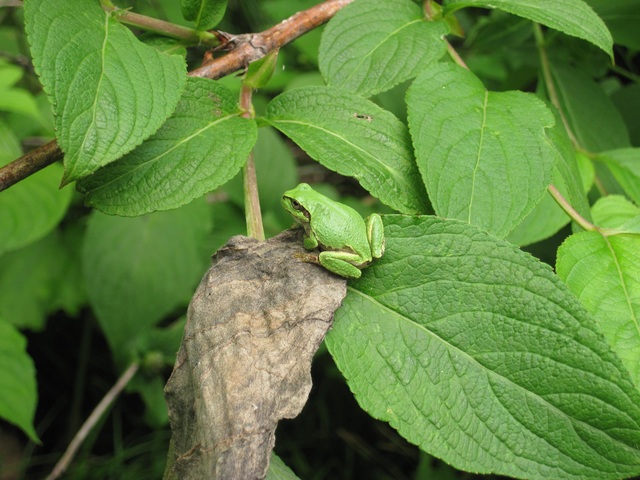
column 296, row 204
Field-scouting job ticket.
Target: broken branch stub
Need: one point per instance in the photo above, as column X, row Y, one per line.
column 253, row 326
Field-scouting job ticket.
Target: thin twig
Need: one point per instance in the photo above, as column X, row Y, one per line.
column 455, row 55
column 29, row 164
column 247, row 49
column 97, row 413
column 166, row 29
column 253, row 47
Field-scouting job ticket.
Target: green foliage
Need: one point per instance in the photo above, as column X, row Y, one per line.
column 206, row 14
column 597, row 124
column 259, row 73
column 30, row 286
column 484, row 156
column 621, row 17
column 459, row 367
column 18, row 394
column 32, row 208
column 109, row 91
column 625, row 166
column 573, row 17
column 278, row 470
column 14, row 99
column 572, row 177
column 205, row 139
column 372, row 45
column 355, row 137
column 138, row 270
column 603, row 273
column 470, row 348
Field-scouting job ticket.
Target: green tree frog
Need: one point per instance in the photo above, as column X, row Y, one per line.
column 347, row 242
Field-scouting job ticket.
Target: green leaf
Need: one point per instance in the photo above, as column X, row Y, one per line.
column 547, row 218
column 151, row 389
column 18, row 100
column 476, row 352
column 613, row 211
column 33, row 207
column 168, row 46
column 10, row 148
column 484, row 156
column 18, row 391
column 206, row 14
column 627, row 102
column 603, row 274
column 30, row 281
column 624, row 163
column 278, row 470
column 69, row 295
column 372, row 45
column 166, row 340
column 573, row 17
column 622, row 18
column 109, row 91
column 597, row 124
column 137, row 270
column 259, row 73
column 201, row 146
column 9, row 74
column 354, row 137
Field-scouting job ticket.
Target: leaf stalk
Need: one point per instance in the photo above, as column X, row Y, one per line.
column 252, row 211
column 189, row 35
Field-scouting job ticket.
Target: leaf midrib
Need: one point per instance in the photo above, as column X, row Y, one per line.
column 378, row 45
column 623, row 283
column 495, row 374
column 391, row 171
column 166, row 152
column 90, row 127
column 483, row 127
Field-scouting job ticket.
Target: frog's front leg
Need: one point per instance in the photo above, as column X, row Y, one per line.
column 341, row 263
column 310, row 241
column 375, row 235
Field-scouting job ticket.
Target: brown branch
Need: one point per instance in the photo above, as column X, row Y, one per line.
column 252, row 47
column 247, row 49
column 29, row 164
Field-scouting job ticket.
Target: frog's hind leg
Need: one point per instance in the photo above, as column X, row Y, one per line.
column 337, row 263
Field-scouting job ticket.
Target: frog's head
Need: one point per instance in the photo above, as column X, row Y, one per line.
column 294, row 201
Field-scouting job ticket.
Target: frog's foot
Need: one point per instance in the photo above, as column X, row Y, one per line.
column 307, row 257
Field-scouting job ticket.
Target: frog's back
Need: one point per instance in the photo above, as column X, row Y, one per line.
column 342, row 227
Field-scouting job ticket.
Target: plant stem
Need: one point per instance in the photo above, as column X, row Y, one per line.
column 97, row 413
column 167, row 29
column 569, row 210
column 29, row 164
column 625, row 73
column 252, row 48
column 252, row 211
column 455, row 55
